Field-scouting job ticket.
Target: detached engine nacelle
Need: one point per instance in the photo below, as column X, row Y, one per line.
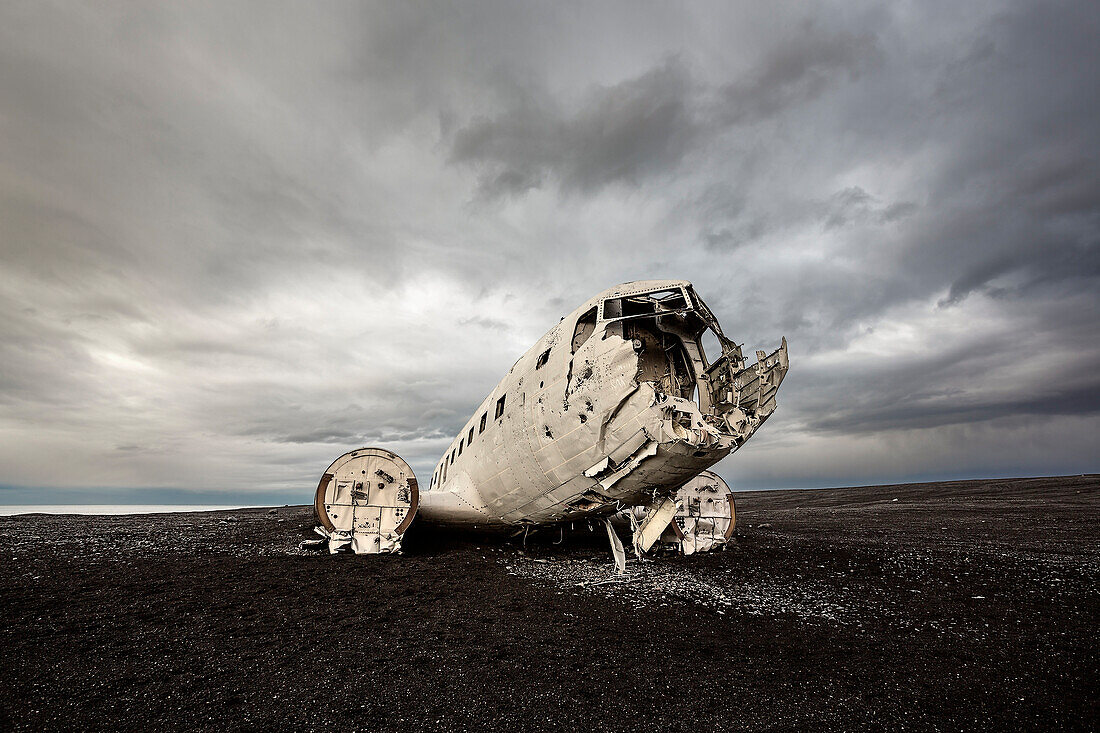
column 704, row 519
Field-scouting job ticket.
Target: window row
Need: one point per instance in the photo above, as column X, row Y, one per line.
column 440, row 474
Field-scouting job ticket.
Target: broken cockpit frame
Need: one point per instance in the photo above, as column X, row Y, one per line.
column 732, row 396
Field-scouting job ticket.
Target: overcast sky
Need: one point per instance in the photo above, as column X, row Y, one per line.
column 239, row 239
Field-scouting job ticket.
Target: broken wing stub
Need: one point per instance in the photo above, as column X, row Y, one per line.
column 365, row 501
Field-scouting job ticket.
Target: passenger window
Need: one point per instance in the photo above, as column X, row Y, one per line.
column 543, row 358
column 470, row 437
column 460, row 447
column 484, row 416
column 586, row 325
column 663, row 301
column 500, row 406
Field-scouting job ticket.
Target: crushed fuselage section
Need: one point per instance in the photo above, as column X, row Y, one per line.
column 702, row 518
column 365, row 501
column 683, row 412
column 626, row 399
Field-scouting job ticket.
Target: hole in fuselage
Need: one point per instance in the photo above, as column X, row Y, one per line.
column 662, row 359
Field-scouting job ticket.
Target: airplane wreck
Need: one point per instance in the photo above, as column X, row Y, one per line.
column 616, row 410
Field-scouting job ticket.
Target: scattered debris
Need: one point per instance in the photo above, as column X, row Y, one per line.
column 653, row 584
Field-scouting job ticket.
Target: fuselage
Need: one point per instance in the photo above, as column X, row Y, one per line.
column 616, row 405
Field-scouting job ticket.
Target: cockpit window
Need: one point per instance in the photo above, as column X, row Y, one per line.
column 586, row 324
column 712, row 347
column 645, row 304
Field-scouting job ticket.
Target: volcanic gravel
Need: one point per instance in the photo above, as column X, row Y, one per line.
column 949, row 606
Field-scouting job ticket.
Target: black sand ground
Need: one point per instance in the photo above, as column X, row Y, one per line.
column 967, row 605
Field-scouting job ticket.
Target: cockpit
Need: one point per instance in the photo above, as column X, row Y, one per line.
column 680, row 345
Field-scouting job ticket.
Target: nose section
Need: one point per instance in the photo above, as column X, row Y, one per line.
column 743, row 398
column 751, row 388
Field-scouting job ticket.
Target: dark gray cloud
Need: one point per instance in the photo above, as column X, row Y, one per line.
column 624, row 133
column 237, row 239
column 797, row 71
column 645, row 127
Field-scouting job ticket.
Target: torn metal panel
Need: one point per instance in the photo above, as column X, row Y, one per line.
column 617, row 551
column 656, row 521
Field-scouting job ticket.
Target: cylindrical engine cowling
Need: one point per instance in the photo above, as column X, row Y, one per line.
column 706, row 518
column 366, row 500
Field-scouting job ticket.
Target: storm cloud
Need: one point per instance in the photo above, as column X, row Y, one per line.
column 238, row 239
